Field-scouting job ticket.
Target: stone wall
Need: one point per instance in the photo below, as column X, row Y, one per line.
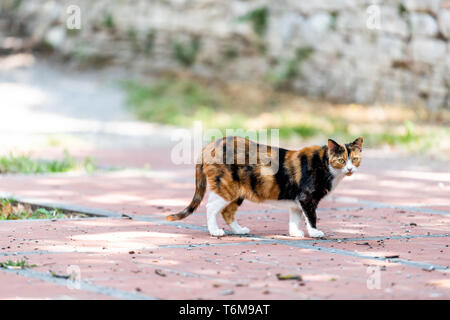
column 344, row 50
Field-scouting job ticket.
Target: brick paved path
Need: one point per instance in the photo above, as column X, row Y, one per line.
column 392, row 207
column 388, row 209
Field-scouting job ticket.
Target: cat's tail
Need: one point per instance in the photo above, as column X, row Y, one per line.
column 200, row 188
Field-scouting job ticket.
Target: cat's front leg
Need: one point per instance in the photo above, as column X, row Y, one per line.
column 309, row 211
column 295, row 216
column 215, row 204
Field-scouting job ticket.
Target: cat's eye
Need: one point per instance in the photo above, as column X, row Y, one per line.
column 356, row 159
column 341, row 161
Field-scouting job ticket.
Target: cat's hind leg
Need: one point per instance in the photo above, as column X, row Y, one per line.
column 229, row 215
column 295, row 217
column 215, row 205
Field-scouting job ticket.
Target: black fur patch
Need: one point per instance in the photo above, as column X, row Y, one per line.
column 218, row 180
column 288, row 189
column 234, row 172
column 347, row 145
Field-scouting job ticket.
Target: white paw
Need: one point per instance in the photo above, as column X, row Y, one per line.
column 296, row 233
column 314, row 233
column 237, row 229
column 217, row 232
column 242, row 230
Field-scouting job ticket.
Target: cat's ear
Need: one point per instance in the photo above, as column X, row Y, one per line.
column 333, row 146
column 358, row 142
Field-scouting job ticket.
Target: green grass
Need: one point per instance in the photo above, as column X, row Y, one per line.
column 16, row 4
column 18, row 264
column 301, row 130
column 108, row 21
column 409, row 135
column 289, row 68
column 11, row 209
column 432, row 140
column 258, row 18
column 26, row 165
column 182, row 102
column 170, row 102
column 186, row 53
column 149, row 41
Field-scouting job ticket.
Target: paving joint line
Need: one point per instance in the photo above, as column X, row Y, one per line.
column 26, row 253
column 52, row 219
column 156, row 247
column 390, row 206
column 284, row 242
column 417, row 264
column 94, row 212
column 101, row 213
column 253, row 241
column 206, row 277
column 305, row 245
column 201, row 228
column 83, row 285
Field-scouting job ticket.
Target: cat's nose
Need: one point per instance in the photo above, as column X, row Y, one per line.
column 349, row 169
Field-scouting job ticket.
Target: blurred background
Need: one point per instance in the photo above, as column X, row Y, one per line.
column 91, row 83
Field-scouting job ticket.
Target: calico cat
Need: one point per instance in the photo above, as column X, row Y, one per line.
column 297, row 180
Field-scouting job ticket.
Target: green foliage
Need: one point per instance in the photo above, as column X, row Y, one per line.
column 288, row 69
column 186, row 53
column 258, row 19
column 16, row 4
column 168, row 100
column 144, row 43
column 108, row 21
column 26, row 165
column 334, row 15
column 72, row 32
column 89, row 58
column 401, row 9
column 303, row 53
column 239, row 132
column 230, row 53
column 178, row 102
column 11, row 209
column 181, row 102
column 407, row 137
column 302, row 130
column 89, row 164
column 132, row 34
column 44, row 47
column 18, row 264
column 133, row 38
column 149, row 41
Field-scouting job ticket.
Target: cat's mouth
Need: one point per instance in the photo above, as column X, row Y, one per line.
column 349, row 173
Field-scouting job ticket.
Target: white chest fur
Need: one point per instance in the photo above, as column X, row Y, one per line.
column 338, row 175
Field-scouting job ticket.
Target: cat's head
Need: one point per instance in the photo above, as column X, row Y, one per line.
column 345, row 157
